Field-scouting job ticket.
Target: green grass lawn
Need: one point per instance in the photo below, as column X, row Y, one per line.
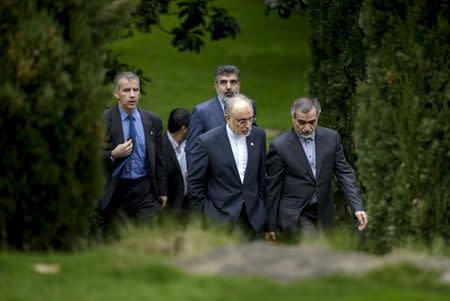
column 272, row 53
column 110, row 274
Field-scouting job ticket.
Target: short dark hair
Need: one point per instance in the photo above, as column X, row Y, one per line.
column 305, row 104
column 227, row 70
column 127, row 75
column 177, row 118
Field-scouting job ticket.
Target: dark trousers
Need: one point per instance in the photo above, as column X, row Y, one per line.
column 132, row 199
column 244, row 226
column 307, row 221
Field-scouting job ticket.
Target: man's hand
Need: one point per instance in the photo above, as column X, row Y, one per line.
column 122, row 150
column 163, row 200
column 362, row 219
column 270, row 236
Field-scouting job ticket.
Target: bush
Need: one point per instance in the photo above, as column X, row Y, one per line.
column 402, row 131
column 51, row 98
column 338, row 64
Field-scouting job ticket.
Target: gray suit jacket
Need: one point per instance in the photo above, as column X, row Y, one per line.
column 215, row 187
column 155, row 154
column 291, row 183
column 205, row 117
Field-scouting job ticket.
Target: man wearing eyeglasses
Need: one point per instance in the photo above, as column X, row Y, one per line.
column 210, row 114
column 227, row 176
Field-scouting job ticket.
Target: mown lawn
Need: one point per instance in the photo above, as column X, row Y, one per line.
column 111, row 274
column 272, row 54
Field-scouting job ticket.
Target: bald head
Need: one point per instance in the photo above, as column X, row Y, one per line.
column 239, row 114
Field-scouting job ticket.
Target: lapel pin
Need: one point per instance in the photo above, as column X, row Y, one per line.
column 151, row 133
column 252, row 144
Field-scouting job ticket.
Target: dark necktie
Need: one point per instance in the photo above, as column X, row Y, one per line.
column 132, row 131
column 132, row 136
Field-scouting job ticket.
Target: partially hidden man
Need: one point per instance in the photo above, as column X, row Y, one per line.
column 300, row 166
column 134, row 156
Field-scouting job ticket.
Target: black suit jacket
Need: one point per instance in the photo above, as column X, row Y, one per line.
column 205, row 117
column 175, row 182
column 215, row 187
column 291, row 183
column 155, row 154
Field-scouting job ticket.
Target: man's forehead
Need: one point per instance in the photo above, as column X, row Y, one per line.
column 128, row 82
column 312, row 114
column 230, row 76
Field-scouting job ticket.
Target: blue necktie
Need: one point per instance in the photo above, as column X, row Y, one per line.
column 132, row 131
column 132, row 136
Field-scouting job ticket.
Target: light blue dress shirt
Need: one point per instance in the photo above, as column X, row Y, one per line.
column 136, row 166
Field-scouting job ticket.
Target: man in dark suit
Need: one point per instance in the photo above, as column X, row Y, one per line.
column 300, row 165
column 134, row 157
column 174, row 145
column 227, row 177
column 210, row 114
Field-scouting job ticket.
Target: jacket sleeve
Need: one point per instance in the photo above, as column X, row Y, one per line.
column 346, row 178
column 161, row 172
column 197, row 176
column 275, row 179
column 196, row 128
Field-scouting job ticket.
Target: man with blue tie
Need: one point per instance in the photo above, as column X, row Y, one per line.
column 210, row 114
column 226, row 182
column 300, row 166
column 134, row 157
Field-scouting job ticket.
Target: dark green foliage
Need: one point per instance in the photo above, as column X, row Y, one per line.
column 197, row 19
column 338, row 61
column 337, row 65
column 403, row 130
column 51, row 99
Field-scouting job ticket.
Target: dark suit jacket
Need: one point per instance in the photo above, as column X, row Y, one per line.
column 291, row 183
column 175, row 182
column 215, row 187
column 204, row 117
column 155, row 154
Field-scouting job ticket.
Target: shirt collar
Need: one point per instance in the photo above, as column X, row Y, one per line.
column 234, row 136
column 124, row 114
column 312, row 137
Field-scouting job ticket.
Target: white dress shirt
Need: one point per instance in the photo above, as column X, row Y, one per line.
column 181, row 157
column 239, row 148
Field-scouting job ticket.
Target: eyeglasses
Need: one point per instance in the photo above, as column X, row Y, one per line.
column 244, row 121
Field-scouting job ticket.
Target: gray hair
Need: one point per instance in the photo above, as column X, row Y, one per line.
column 227, row 70
column 305, row 104
column 231, row 101
column 128, row 75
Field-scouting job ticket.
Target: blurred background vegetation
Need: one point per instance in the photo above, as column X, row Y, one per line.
column 379, row 68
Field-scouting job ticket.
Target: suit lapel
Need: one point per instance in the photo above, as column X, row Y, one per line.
column 251, row 155
column 115, row 124
column 171, row 152
column 149, row 140
column 217, row 112
column 225, row 146
column 320, row 146
column 296, row 148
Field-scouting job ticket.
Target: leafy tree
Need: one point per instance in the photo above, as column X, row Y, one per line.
column 402, row 129
column 338, row 64
column 52, row 93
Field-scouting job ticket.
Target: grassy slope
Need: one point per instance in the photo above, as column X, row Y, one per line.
column 272, row 54
column 107, row 274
